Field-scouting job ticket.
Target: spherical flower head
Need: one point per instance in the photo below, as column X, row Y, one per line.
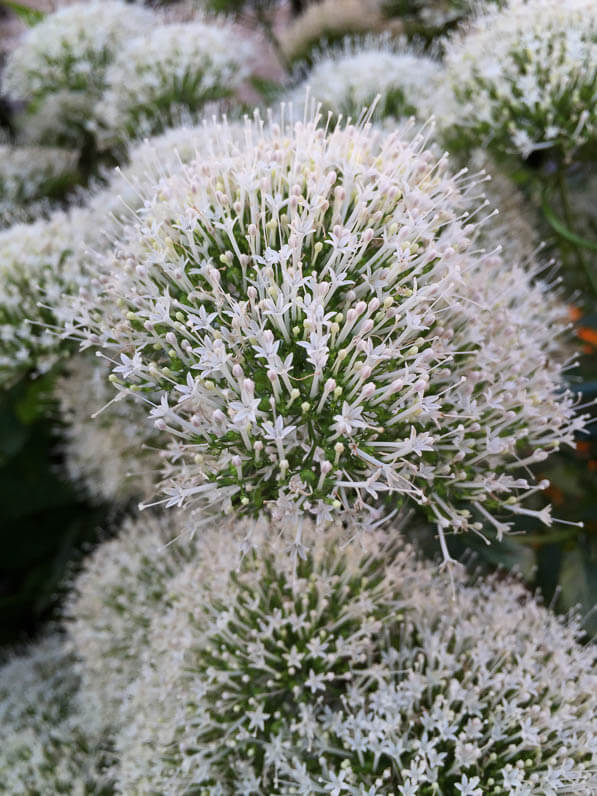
column 40, row 263
column 59, row 67
column 523, row 79
column 48, row 744
column 29, row 174
column 349, row 78
column 172, row 70
column 322, row 331
column 122, row 585
column 108, row 444
column 355, row 669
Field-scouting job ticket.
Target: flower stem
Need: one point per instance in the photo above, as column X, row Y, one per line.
column 586, row 267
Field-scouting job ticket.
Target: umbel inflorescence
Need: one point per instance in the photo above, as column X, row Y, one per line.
column 349, row 670
column 524, row 78
column 40, row 263
column 122, row 586
column 60, row 66
column 348, row 79
column 49, row 742
column 322, row 332
column 169, row 71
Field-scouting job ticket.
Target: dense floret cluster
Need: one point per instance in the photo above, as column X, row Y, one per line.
column 248, row 356
column 353, row 669
column 123, row 584
column 30, row 175
column 320, row 330
column 47, row 741
column 524, row 79
column 59, row 67
column 172, row 71
column 40, row 262
column 108, row 444
column 349, row 79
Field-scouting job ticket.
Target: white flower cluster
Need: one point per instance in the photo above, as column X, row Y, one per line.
column 109, row 612
column 59, row 67
column 42, row 262
column 28, row 174
column 172, row 70
column 350, row 670
column 322, row 331
column 523, row 79
column 39, row 263
column 108, row 444
column 348, row 79
column 47, row 745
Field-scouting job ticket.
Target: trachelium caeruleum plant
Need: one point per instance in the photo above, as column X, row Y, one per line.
column 523, row 78
column 351, row 669
column 171, row 71
column 349, row 78
column 317, row 329
column 59, row 68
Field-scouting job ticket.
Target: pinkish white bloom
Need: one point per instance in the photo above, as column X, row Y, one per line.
column 40, row 263
column 352, row 314
column 121, row 586
column 353, row 669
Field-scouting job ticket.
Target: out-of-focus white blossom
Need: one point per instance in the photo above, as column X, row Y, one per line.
column 123, row 584
column 348, row 79
column 28, row 174
column 515, row 224
column 59, row 67
column 172, row 70
column 47, row 741
column 321, row 331
column 40, row 262
column 107, row 444
column 523, row 79
column 354, row 669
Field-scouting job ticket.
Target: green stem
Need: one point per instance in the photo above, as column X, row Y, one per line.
column 567, row 211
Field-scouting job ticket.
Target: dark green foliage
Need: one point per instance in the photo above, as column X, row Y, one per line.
column 44, row 522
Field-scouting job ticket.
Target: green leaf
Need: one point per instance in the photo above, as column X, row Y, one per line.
column 269, row 90
column 558, row 225
column 578, row 580
column 30, row 16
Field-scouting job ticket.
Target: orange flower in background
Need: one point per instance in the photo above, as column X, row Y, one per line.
column 583, row 447
column 575, row 313
column 588, row 335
